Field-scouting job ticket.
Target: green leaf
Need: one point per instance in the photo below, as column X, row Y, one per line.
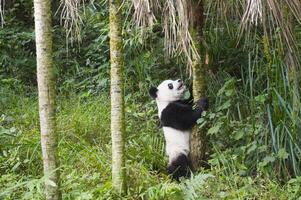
column 201, row 120
column 238, row 135
column 229, row 93
column 225, row 105
column 252, row 148
column 282, row 154
column 269, row 159
column 227, row 87
column 261, row 98
column 212, row 115
column 215, row 129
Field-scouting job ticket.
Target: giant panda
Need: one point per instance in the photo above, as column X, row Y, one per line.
column 177, row 117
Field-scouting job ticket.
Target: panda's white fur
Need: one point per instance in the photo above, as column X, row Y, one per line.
column 177, row 141
column 177, row 118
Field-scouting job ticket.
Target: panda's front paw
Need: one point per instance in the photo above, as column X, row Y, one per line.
column 203, row 103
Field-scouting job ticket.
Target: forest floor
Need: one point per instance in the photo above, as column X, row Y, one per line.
column 83, row 126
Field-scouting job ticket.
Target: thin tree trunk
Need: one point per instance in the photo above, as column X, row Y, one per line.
column 45, row 75
column 198, row 137
column 117, row 101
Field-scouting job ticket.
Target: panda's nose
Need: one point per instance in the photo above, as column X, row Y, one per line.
column 179, row 80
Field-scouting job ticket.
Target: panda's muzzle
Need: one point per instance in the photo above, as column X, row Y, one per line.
column 180, row 86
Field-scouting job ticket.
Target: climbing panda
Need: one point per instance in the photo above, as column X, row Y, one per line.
column 177, row 117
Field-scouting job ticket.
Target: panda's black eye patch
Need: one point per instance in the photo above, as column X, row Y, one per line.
column 170, row 86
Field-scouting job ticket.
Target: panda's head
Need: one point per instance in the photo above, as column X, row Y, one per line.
column 168, row 91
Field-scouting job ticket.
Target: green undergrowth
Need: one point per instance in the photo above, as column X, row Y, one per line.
column 85, row 155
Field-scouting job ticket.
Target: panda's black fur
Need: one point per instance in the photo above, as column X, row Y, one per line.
column 180, row 116
column 180, row 167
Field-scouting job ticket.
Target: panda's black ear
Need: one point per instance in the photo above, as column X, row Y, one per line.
column 153, row 92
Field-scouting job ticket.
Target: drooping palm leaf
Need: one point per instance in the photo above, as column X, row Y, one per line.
column 71, row 19
column 275, row 17
column 175, row 18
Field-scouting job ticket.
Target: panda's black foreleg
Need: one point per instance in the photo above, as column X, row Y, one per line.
column 182, row 117
column 201, row 105
column 179, row 167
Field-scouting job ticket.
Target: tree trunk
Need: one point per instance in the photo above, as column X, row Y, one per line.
column 45, row 76
column 117, row 101
column 198, row 137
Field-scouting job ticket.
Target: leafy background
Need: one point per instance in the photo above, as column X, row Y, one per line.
column 253, row 126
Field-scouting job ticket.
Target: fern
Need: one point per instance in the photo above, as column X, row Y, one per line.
column 191, row 187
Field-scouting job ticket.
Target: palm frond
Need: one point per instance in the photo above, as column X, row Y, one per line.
column 71, row 19
column 295, row 8
column 253, row 12
column 278, row 17
column 175, row 19
column 143, row 15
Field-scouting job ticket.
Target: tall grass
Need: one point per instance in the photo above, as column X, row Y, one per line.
column 85, row 158
column 255, row 119
column 84, row 147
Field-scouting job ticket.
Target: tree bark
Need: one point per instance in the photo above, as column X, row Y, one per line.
column 117, row 100
column 45, row 76
column 198, row 137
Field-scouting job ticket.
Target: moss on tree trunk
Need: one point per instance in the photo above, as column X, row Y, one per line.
column 117, row 100
column 198, row 136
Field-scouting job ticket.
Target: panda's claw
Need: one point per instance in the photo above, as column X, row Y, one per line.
column 203, row 103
